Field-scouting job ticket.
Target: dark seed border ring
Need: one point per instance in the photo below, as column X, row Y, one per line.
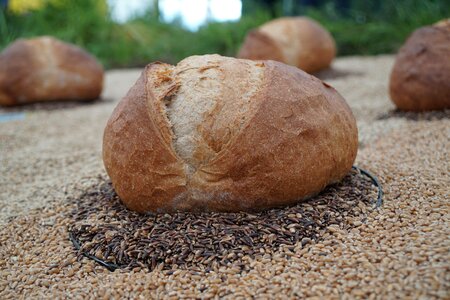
column 110, row 266
column 375, row 181
column 104, row 231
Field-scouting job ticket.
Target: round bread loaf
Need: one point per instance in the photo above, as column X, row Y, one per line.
column 224, row 134
column 420, row 78
column 296, row 41
column 46, row 69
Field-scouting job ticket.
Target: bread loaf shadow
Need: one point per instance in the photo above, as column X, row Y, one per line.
column 333, row 73
column 54, row 105
column 416, row 116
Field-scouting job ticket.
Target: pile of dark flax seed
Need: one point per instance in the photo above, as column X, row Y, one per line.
column 104, row 228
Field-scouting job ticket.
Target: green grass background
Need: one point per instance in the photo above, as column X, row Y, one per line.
column 366, row 28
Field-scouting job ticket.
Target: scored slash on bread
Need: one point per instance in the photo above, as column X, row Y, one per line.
column 223, row 134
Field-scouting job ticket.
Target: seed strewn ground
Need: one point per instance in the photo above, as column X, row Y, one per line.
column 107, row 230
column 402, row 250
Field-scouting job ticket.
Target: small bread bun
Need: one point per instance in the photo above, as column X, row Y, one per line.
column 46, row 69
column 445, row 23
column 296, row 41
column 223, row 134
column 420, row 78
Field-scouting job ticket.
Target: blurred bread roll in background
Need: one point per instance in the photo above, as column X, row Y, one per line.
column 224, row 134
column 420, row 78
column 46, row 69
column 296, row 41
column 443, row 23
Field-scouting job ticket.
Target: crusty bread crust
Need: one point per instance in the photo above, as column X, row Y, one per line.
column 138, row 153
column 299, row 136
column 445, row 24
column 46, row 69
column 420, row 78
column 296, row 41
column 210, row 106
column 259, row 46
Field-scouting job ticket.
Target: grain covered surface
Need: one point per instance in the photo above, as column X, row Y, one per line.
column 53, row 154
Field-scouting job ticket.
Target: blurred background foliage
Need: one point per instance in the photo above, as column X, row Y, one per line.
column 359, row 27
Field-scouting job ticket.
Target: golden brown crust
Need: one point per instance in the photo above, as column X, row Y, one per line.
column 300, row 136
column 317, row 49
column 45, row 69
column 420, row 77
column 274, row 160
column 15, row 61
column 142, row 166
column 445, row 23
column 259, row 46
column 297, row 41
column 210, row 105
